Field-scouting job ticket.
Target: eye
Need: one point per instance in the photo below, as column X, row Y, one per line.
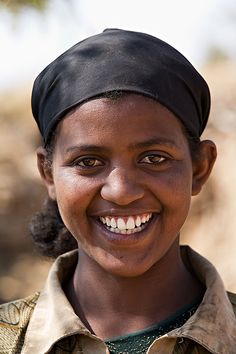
column 86, row 162
column 153, row 159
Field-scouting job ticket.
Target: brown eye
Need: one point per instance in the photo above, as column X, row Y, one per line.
column 88, row 162
column 153, row 159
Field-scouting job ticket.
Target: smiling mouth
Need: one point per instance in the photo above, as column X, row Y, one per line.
column 126, row 225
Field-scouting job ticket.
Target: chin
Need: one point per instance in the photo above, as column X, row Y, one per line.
column 126, row 268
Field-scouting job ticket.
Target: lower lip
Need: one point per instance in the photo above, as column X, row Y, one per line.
column 127, row 238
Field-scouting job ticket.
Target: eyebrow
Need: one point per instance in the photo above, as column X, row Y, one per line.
column 134, row 146
column 153, row 141
column 86, row 148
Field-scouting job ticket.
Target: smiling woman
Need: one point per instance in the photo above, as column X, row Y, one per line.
column 121, row 115
column 113, row 175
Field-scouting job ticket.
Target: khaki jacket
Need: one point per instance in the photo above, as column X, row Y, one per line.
column 46, row 323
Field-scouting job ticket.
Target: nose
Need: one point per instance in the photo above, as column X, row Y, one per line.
column 122, row 187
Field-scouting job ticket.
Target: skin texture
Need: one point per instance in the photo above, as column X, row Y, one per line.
column 122, row 158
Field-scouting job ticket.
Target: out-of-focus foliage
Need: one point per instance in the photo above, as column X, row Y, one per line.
column 216, row 54
column 16, row 5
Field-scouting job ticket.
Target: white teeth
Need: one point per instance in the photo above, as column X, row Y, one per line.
column 130, row 223
column 113, row 223
column 138, row 221
column 108, row 221
column 121, row 224
column 144, row 218
column 103, row 220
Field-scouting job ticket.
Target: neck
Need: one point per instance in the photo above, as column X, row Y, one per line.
column 100, row 298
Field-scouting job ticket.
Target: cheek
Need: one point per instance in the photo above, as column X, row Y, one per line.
column 178, row 181
column 74, row 194
column 174, row 190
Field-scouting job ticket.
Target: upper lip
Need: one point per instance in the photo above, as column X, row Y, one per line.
column 130, row 212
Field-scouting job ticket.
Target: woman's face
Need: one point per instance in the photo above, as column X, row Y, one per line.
column 122, row 178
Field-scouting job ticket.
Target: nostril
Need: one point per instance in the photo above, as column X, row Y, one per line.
column 122, row 187
column 121, row 195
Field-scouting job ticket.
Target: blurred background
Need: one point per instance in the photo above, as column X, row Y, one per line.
column 33, row 33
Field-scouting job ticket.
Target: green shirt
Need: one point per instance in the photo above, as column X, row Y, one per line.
column 139, row 342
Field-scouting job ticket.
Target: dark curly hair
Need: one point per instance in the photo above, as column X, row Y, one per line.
column 49, row 233
column 47, row 229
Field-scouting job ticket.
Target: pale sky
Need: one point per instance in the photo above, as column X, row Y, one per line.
column 30, row 41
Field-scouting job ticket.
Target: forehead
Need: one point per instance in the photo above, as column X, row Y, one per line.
column 128, row 118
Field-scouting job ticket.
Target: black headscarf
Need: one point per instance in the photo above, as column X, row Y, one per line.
column 120, row 60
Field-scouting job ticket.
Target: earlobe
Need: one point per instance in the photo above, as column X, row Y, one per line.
column 45, row 171
column 202, row 165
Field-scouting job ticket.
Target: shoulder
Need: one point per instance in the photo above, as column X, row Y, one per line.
column 17, row 313
column 232, row 299
column 14, row 318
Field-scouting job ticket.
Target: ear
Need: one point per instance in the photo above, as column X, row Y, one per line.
column 203, row 164
column 45, row 171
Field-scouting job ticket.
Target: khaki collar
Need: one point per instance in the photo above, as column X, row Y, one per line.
column 213, row 325
column 53, row 317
